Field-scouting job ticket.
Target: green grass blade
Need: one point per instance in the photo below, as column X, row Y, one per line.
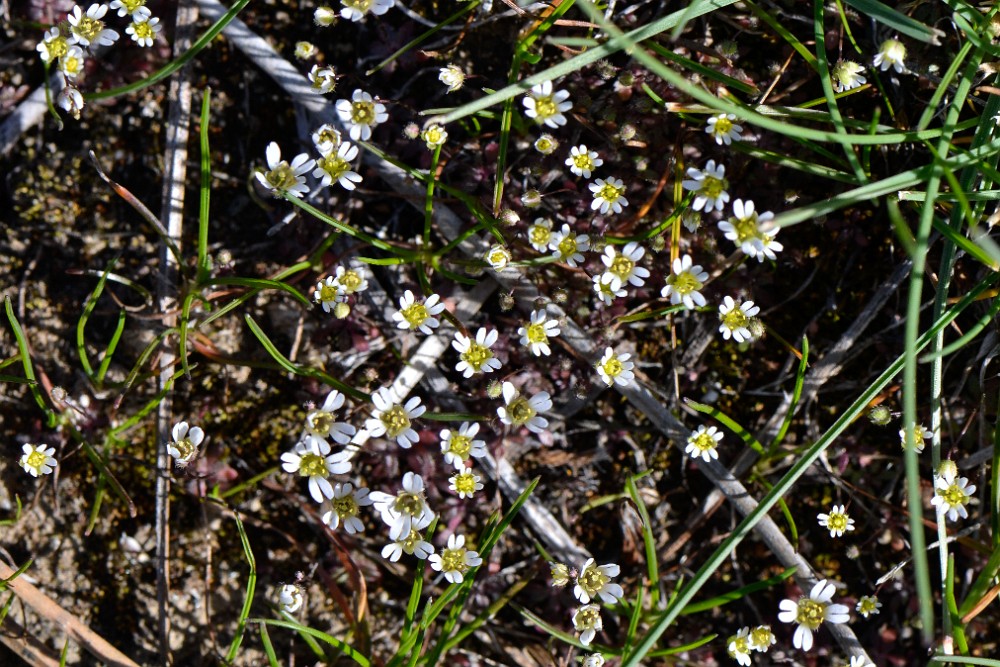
column 648, row 541
column 241, row 624
column 29, row 369
column 109, row 351
column 205, row 189
column 800, row 376
column 265, row 639
column 899, row 22
column 346, row 648
column 738, row 594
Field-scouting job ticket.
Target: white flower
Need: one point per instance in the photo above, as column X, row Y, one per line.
column 335, row 166
column 290, row 598
column 351, row 280
column 582, row 161
column 498, row 257
column 736, row 320
column 465, row 484
column 324, row 16
column 328, row 294
column 361, row 113
column 846, row 75
column 323, row 79
column 344, row 506
column 392, row 419
column 184, row 446
column 890, row 54
column 703, row 442
column 283, row 177
column 920, row 434
column 593, row 660
column 434, row 135
column 723, row 129
column 452, row 76
column 323, row 424
column 459, row 446
column 951, row 496
column 587, row 621
column 355, row 10
column 739, row 646
column 624, row 267
column 837, row 521
column 407, row 510
column 326, row 138
column 615, row 369
column 37, row 459
column 604, row 291
column 709, row 187
column 746, row 228
column 546, row 106
column 455, row 560
column 72, row 62
column 535, row 334
column 691, row 220
column 53, row 45
column 413, row 315
column 137, row 9
column 568, row 247
column 71, row 101
column 546, row 144
column 475, row 355
column 540, row 234
column 520, row 411
column 87, row 29
column 685, row 281
column 305, row 50
column 810, row 612
column 868, row 605
column 144, row 33
column 311, row 458
column 761, row 638
column 594, row 581
column 413, row 544
column 609, row 195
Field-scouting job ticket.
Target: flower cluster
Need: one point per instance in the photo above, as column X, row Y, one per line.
column 593, row 584
column 748, row 640
column 333, row 291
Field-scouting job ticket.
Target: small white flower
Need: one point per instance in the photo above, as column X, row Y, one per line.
column 323, row 424
column 326, row 138
column 323, row 80
column 184, row 446
column 604, row 291
column 868, row 605
column 623, row 267
column 546, row 106
column 413, row 544
column 891, row 54
column 761, row 638
column 723, row 129
column 540, row 234
column 498, row 257
column 535, row 333
column 53, row 45
column 810, row 612
column 476, row 355
column 465, row 484
column 71, row 101
column 344, row 506
column 582, row 161
column 546, row 144
column 709, row 187
column 355, row 10
column 455, row 560
column 846, row 75
column 144, row 33
column 328, row 294
column 311, row 458
column 407, row 510
column 684, row 283
column 137, row 9
column 434, row 135
column 361, row 114
column 691, row 220
column 587, row 621
column 752, row 231
column 393, row 419
column 37, row 459
column 87, row 29
column 335, row 166
column 568, row 246
column 459, row 446
column 414, row 316
column 306, row 50
column 951, row 497
column 594, row 581
column 703, row 443
column 452, row 76
column 351, row 280
column 609, row 195
column 520, row 411
column 735, row 319
column 615, row 369
column 594, row 660
column 920, row 434
column 738, row 646
column 837, row 521
column 282, row 177
column 290, row 598
column 324, row 16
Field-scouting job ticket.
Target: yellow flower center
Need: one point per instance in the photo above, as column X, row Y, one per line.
column 954, row 496
column 57, row 47
column 408, row 503
column 312, row 465
column 704, row 442
column 612, row 367
column 185, row 448
column 810, row 613
column 867, row 606
column 415, row 315
column 282, row 178
column 610, row 193
column 143, row 30
column 410, row 543
column 88, row 28
column 536, row 333
column 587, row 618
column 434, row 135
column 723, row 125
column 735, row 319
column 453, row 560
column 345, row 507
column 362, row 113
column 583, row 162
column 567, row 247
column 351, row 281
column 544, row 145
column 72, row 64
column 745, row 228
column 712, row 187
column 36, row 459
column 545, row 107
column 622, row 267
column 395, row 421
column 837, row 521
column 465, row 483
column 740, row 645
column 334, row 165
column 760, row 636
column 539, row 235
column 320, row 421
column 460, row 446
column 328, row 292
column 684, row 283
column 520, row 411
column 592, row 580
column 476, row 355
column 132, row 5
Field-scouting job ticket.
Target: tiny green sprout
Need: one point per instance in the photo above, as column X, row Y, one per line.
column 880, row 415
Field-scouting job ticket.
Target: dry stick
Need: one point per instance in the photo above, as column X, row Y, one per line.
column 26, row 647
column 174, row 178
column 295, row 84
column 50, row 610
